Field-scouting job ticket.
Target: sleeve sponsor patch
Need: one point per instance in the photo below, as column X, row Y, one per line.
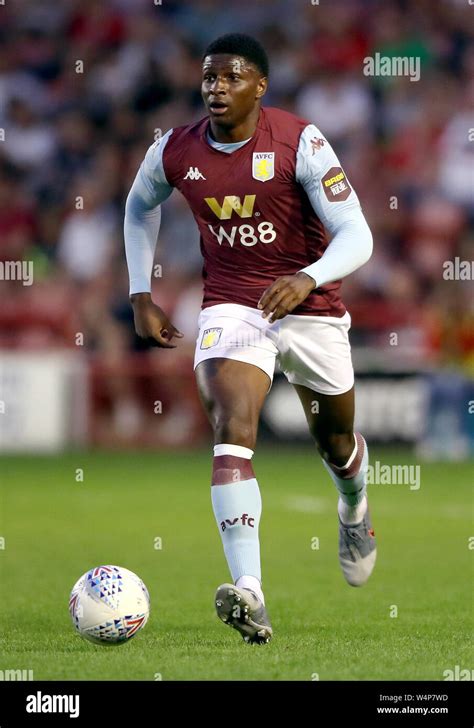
column 336, row 185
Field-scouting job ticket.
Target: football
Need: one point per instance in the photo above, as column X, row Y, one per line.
column 109, row 605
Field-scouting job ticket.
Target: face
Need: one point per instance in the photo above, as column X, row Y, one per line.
column 231, row 87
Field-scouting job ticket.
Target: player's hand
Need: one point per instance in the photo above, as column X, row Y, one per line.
column 152, row 323
column 285, row 294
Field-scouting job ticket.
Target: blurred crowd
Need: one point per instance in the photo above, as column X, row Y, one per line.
column 85, row 85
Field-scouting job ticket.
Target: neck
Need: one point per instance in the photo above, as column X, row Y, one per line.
column 228, row 135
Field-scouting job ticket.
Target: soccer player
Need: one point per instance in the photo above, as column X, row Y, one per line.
column 263, row 186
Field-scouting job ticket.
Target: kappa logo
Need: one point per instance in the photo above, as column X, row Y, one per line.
column 317, row 144
column 211, row 337
column 336, row 185
column 245, row 520
column 263, row 166
column 194, row 174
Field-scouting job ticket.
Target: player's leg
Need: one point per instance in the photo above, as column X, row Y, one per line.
column 233, row 393
column 331, row 423
column 345, row 456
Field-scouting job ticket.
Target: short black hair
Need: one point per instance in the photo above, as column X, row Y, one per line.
column 243, row 45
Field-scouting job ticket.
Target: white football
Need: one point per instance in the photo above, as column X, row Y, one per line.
column 109, row 605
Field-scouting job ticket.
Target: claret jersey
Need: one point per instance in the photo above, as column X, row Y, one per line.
column 261, row 210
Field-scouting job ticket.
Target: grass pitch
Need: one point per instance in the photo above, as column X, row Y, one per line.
column 413, row 620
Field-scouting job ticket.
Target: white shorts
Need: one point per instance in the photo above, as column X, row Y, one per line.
column 310, row 350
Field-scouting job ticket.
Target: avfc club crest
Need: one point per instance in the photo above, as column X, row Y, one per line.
column 263, row 166
column 211, row 337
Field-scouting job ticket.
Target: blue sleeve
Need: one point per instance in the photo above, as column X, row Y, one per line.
column 336, row 204
column 143, row 216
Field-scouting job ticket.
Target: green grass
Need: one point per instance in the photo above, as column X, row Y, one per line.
column 55, row 529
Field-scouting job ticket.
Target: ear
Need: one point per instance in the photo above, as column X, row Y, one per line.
column 261, row 87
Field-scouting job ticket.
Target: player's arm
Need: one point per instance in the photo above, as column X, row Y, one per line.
column 336, row 204
column 141, row 226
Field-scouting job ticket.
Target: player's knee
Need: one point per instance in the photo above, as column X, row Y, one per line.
column 335, row 447
column 235, row 431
